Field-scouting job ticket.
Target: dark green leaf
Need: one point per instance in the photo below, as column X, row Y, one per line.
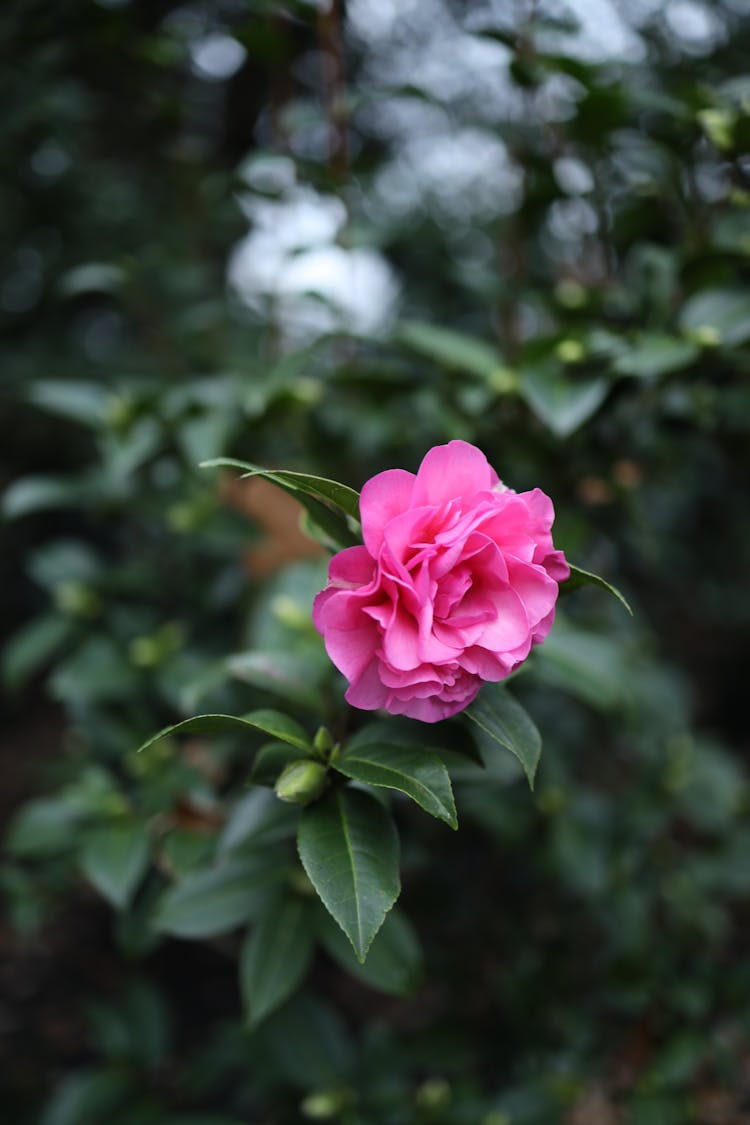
column 411, row 770
column 114, row 859
column 270, row 760
column 275, row 957
column 580, row 578
column 269, row 722
column 217, row 899
column 507, row 723
column 329, row 491
column 350, row 850
column 394, row 963
column 309, row 1042
column 258, row 819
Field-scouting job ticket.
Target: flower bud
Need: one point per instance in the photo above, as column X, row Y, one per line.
column 301, row 782
column 323, row 741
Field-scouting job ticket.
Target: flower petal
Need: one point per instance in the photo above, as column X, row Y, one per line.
column 453, row 471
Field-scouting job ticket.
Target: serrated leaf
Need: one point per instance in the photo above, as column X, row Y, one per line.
column 275, row 957
column 504, row 719
column 217, row 899
column 114, row 859
column 269, row 722
column 350, row 850
column 329, row 491
column 411, row 770
column 394, row 963
column 579, row 577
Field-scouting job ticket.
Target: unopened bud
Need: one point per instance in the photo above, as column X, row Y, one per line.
column 323, row 741
column 301, row 782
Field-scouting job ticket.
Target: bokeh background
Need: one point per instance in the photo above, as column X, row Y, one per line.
column 327, row 237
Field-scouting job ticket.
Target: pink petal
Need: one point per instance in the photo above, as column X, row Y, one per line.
column 456, row 470
column 383, row 497
column 535, row 588
column 353, row 567
column 368, row 692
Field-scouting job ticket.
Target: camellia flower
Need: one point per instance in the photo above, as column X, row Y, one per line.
column 456, row 581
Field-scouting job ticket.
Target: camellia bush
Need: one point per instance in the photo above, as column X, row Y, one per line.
column 456, row 580
column 256, row 250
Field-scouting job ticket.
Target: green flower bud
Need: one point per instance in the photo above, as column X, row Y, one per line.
column 323, row 741
column 301, row 782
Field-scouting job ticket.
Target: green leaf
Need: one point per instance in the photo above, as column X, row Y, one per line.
column 44, row 826
column 394, row 963
column 258, row 819
column 33, row 646
column 561, row 402
column 454, row 350
column 653, row 354
column 411, row 770
column 308, row 1042
column 269, row 722
column 580, row 578
column 79, row 401
column 724, row 312
column 501, row 717
column 329, row 491
column 291, row 675
column 114, row 859
column 34, row 494
column 269, row 762
column 350, row 850
column 589, row 666
column 217, row 899
column 275, row 957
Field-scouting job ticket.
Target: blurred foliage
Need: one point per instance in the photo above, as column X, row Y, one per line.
column 327, row 241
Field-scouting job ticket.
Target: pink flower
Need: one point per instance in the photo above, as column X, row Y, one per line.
column 457, row 579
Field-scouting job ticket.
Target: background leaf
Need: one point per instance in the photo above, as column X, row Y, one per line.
column 217, row 899
column 114, row 858
column 505, row 721
column 275, row 957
